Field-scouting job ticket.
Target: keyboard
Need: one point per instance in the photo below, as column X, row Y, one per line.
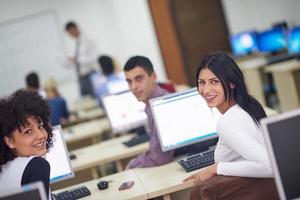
column 73, row 194
column 139, row 139
column 197, row 161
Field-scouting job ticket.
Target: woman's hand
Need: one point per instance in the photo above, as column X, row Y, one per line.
column 203, row 175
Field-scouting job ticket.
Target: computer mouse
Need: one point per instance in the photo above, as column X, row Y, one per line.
column 102, row 185
column 72, row 156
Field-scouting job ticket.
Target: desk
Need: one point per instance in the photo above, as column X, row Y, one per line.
column 136, row 192
column 253, row 74
column 86, row 103
column 287, row 80
column 105, row 152
column 84, row 116
column 173, row 175
column 86, row 130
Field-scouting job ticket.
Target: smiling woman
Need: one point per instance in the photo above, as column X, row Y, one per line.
column 240, row 151
column 25, row 137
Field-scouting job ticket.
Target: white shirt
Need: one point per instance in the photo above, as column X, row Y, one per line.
column 87, row 54
column 12, row 172
column 241, row 149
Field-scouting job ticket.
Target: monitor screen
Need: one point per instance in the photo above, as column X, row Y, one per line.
column 243, row 43
column 282, row 136
column 183, row 118
column 124, row 111
column 294, row 40
column 34, row 191
column 58, row 158
column 272, row 40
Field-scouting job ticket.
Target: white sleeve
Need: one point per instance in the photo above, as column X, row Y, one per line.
column 256, row 163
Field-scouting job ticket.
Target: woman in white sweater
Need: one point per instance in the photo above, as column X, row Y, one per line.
column 240, row 150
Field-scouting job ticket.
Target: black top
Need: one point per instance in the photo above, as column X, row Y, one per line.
column 38, row 169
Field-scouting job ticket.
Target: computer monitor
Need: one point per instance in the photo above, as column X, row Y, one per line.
column 124, row 111
column 272, row 40
column 294, row 40
column 34, row 191
column 58, row 158
column 243, row 43
column 282, row 136
column 183, row 119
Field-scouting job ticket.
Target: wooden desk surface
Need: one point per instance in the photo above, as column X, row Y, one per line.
column 164, row 179
column 86, row 130
column 105, row 152
column 136, row 192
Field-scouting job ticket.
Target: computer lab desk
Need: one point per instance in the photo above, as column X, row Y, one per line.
column 136, row 192
column 161, row 181
column 253, row 74
column 106, row 152
column 85, row 103
column 86, row 131
column 84, row 116
column 287, row 80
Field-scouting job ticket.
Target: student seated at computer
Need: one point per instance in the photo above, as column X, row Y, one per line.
column 240, row 151
column 25, row 137
column 33, row 84
column 59, row 109
column 111, row 82
column 141, row 80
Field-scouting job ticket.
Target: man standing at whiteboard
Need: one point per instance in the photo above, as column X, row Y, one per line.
column 84, row 58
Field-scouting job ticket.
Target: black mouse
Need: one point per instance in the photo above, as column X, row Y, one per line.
column 102, row 185
column 72, row 156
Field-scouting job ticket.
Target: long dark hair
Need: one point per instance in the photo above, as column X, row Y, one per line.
column 228, row 72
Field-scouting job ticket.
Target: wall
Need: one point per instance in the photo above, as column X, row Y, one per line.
column 244, row 15
column 120, row 28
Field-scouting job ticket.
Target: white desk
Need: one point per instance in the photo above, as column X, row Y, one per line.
column 86, row 103
column 253, row 74
column 84, row 116
column 164, row 180
column 136, row 192
column 287, row 80
column 86, row 130
column 105, row 152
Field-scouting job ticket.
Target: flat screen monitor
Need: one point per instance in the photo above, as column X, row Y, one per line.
column 58, row 158
column 183, row 119
column 272, row 41
column 34, row 191
column 243, row 43
column 282, row 136
column 124, row 111
column 294, row 40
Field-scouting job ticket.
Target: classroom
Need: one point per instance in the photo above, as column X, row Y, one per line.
column 149, row 99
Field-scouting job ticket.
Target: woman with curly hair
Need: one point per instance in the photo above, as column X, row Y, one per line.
column 25, row 138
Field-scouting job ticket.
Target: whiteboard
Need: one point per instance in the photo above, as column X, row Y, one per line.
column 31, row 43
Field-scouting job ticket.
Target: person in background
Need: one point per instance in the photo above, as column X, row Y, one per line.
column 240, row 151
column 142, row 82
column 83, row 58
column 25, row 138
column 111, row 82
column 59, row 110
column 33, row 84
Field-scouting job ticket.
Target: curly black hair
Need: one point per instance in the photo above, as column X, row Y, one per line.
column 15, row 111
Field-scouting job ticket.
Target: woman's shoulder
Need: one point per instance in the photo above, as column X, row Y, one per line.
column 38, row 162
column 234, row 116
